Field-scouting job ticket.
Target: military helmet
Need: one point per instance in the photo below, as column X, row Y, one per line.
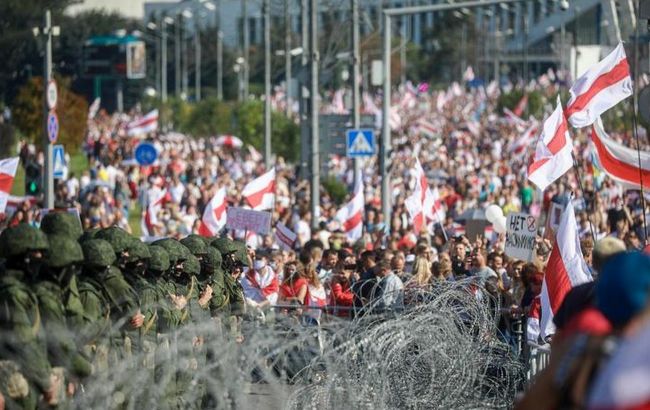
column 61, row 223
column 177, row 251
column 192, row 266
column 159, row 259
column 214, row 256
column 117, row 237
column 223, row 245
column 88, row 234
column 22, row 238
column 137, row 251
column 98, row 253
column 196, row 244
column 241, row 252
column 64, row 251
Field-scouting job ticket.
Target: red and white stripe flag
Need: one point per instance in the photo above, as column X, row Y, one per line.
column 426, row 128
column 532, row 323
column 260, row 192
column 146, row 124
column 8, row 168
column 553, row 155
column 414, row 207
column 566, row 269
column 521, row 106
column 150, row 218
column 521, row 144
column 603, row 86
column 351, row 215
column 230, row 141
column 514, row 119
column 284, row 236
column 214, row 215
column 618, row 161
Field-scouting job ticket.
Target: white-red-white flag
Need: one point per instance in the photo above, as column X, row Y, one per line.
column 214, row 215
column 260, row 192
column 8, row 168
column 521, row 106
column 414, row 207
column 521, row 144
column 603, row 86
column 351, row 215
column 284, row 236
column 146, row 124
column 149, row 220
column 230, row 141
column 553, row 154
column 426, row 128
column 94, row 107
column 619, row 162
column 566, row 269
column 532, row 323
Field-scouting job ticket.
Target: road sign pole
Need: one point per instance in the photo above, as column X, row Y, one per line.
column 315, row 149
column 48, row 178
column 356, row 116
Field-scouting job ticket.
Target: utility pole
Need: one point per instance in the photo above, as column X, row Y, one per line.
column 184, row 62
column 177, row 57
column 163, row 60
column 356, row 100
column 197, row 63
column 48, row 177
column 287, row 55
column 220, row 64
column 384, row 148
column 267, row 84
column 244, row 12
column 302, row 91
column 315, row 149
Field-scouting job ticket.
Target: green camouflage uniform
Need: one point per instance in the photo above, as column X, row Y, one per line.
column 22, row 339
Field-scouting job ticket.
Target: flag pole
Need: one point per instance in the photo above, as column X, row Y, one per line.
column 635, row 107
column 584, row 197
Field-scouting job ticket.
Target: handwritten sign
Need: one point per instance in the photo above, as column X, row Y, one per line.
column 249, row 220
column 520, row 236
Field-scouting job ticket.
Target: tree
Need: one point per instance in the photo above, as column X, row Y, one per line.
column 72, row 111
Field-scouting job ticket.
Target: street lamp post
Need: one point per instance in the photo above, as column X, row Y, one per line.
column 267, row 84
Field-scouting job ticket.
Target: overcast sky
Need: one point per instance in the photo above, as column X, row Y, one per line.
column 130, row 8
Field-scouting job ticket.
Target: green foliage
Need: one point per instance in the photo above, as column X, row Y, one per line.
column 536, row 102
column 72, row 110
column 335, row 188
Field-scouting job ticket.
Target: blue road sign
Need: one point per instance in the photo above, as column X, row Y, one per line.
column 360, row 143
column 145, row 153
column 52, row 127
column 58, row 161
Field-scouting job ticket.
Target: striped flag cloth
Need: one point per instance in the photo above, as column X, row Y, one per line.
column 519, row 147
column 284, row 236
column 214, row 215
column 146, row 124
column 521, row 106
column 603, row 86
column 553, row 155
column 619, row 162
column 426, row 128
column 150, row 218
column 8, row 168
column 230, row 141
column 351, row 215
column 260, row 192
column 566, row 269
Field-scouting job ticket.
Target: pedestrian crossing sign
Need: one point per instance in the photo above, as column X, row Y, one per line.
column 58, row 161
column 360, row 143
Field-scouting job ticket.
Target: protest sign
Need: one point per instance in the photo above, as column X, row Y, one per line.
column 520, row 236
column 248, row 220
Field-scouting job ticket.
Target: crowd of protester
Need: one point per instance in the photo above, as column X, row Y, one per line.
column 467, row 154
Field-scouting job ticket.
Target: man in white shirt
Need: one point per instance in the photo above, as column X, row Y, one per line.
column 389, row 292
column 260, row 283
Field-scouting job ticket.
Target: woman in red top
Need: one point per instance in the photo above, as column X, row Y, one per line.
column 294, row 288
column 341, row 294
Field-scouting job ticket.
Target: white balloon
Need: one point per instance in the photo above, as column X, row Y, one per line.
column 499, row 224
column 493, row 212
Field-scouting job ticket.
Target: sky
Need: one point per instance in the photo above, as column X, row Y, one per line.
column 129, row 8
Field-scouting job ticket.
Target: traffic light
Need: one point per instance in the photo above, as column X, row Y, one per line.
column 33, row 178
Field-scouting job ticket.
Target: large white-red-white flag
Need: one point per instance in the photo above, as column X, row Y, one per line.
column 424, row 204
column 143, row 125
column 351, row 215
column 214, row 215
column 519, row 147
column 566, row 269
column 603, row 86
column 553, row 154
column 621, row 163
column 157, row 199
column 8, row 168
column 260, row 192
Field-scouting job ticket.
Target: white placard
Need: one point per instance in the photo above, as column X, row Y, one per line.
column 520, row 236
column 248, row 220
